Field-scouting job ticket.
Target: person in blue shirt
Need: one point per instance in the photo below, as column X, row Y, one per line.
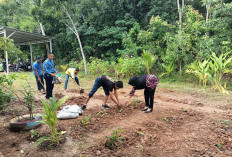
column 37, row 71
column 49, row 74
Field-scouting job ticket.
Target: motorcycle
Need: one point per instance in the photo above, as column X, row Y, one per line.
column 23, row 66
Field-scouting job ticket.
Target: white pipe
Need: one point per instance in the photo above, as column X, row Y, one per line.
column 50, row 41
column 7, row 65
column 31, row 54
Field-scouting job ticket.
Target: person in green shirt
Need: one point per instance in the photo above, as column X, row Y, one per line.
column 71, row 72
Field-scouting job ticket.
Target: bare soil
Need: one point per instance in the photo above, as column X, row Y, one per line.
column 182, row 124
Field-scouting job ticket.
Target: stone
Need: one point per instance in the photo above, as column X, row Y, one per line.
column 98, row 152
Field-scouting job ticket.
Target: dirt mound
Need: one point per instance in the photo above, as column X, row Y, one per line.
column 181, row 101
column 59, row 95
column 76, row 100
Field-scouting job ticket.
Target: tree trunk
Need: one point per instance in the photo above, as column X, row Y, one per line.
column 207, row 12
column 179, row 11
column 42, row 30
column 74, row 30
column 183, row 5
column 180, row 68
column 82, row 52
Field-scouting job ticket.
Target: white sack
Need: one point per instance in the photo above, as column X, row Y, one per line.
column 70, row 111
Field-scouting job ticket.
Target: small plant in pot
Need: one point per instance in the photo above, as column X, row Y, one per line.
column 29, row 121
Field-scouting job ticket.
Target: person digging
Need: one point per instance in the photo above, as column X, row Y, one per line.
column 110, row 88
column 38, row 73
column 149, row 84
column 72, row 72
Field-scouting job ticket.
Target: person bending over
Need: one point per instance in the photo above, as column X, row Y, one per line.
column 148, row 83
column 110, row 88
column 71, row 72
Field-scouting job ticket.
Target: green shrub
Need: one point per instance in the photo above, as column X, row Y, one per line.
column 64, row 67
column 127, row 67
column 97, row 66
column 5, row 90
column 75, row 64
column 114, row 138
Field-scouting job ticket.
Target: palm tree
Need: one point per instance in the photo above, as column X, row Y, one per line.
column 148, row 60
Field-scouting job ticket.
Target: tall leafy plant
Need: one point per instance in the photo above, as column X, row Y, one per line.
column 218, row 67
column 168, row 68
column 28, row 97
column 201, row 70
column 148, row 60
column 50, row 118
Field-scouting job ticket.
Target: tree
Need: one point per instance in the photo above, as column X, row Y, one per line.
column 179, row 11
column 74, row 30
column 148, row 60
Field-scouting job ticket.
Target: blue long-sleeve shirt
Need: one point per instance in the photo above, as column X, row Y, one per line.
column 38, row 67
column 48, row 66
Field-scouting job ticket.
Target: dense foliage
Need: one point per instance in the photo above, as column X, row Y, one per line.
column 115, row 33
column 6, row 94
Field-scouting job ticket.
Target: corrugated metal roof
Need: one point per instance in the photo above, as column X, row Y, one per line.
column 22, row 37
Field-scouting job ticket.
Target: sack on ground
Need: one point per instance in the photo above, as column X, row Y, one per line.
column 69, row 112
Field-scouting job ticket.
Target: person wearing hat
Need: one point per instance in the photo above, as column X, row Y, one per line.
column 37, row 71
column 71, row 72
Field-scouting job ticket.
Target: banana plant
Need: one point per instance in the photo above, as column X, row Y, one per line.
column 50, row 118
column 201, row 70
column 168, row 68
column 148, row 60
column 218, row 67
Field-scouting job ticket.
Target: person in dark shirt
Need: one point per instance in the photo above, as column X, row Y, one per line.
column 148, row 83
column 109, row 86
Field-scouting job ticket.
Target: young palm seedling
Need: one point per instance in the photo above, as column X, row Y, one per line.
column 34, row 134
column 101, row 113
column 50, row 118
column 86, row 120
column 165, row 119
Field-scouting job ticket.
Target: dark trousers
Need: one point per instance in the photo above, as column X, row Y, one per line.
column 49, row 86
column 149, row 97
column 97, row 84
column 39, row 85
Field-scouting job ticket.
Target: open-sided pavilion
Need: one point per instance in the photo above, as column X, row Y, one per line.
column 23, row 38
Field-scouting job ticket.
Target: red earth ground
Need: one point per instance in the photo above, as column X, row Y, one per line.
column 182, row 124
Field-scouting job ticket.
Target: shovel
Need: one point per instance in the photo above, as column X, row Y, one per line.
column 81, row 90
column 42, row 85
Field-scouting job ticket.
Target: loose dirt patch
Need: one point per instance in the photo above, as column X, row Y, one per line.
column 181, row 124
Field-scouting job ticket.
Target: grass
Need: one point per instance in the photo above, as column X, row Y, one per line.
column 184, row 84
